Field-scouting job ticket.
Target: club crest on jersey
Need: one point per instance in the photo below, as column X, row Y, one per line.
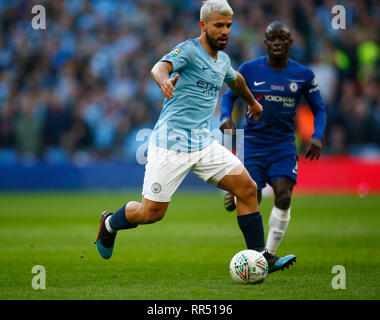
column 217, row 75
column 293, row 86
column 175, row 52
column 223, row 73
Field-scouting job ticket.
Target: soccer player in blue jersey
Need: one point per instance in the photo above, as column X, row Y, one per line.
column 270, row 154
column 190, row 78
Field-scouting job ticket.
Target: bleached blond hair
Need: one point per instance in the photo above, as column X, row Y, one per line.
column 210, row 7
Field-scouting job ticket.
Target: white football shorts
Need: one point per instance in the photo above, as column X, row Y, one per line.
column 166, row 169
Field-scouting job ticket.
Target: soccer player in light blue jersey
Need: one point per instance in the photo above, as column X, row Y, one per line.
column 270, row 154
column 190, row 78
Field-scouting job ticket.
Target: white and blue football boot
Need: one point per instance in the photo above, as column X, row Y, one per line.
column 276, row 263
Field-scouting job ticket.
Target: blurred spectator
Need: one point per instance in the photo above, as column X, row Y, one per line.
column 82, row 87
column 6, row 127
column 327, row 78
column 375, row 119
column 356, row 121
column 28, row 129
column 78, row 136
column 57, row 121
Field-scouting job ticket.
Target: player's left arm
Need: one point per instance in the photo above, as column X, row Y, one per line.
column 314, row 99
column 239, row 87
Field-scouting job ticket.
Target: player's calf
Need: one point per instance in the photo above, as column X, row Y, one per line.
column 278, row 223
column 153, row 215
column 146, row 212
column 246, row 195
column 248, row 216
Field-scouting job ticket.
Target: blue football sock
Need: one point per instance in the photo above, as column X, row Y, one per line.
column 252, row 228
column 118, row 221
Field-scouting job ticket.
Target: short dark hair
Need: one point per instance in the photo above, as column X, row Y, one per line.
column 277, row 25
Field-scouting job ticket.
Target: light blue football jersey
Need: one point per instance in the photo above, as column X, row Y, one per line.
column 184, row 122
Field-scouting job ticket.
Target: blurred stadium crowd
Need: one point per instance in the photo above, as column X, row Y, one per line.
column 81, row 89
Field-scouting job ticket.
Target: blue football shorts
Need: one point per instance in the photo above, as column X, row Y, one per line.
column 265, row 170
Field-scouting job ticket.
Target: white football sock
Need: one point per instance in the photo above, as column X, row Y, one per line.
column 278, row 222
column 108, row 227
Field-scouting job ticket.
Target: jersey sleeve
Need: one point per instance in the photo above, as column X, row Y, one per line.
column 179, row 57
column 314, row 99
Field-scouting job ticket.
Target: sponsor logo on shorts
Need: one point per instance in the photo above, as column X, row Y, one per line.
column 156, row 187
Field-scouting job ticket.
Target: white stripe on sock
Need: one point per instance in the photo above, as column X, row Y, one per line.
column 108, row 227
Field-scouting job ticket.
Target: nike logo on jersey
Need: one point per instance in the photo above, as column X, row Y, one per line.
column 205, row 68
column 295, row 169
column 258, row 83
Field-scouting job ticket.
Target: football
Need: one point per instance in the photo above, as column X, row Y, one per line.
column 248, row 267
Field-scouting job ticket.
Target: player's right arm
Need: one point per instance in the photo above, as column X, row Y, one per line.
column 174, row 61
column 226, row 106
column 161, row 75
column 238, row 88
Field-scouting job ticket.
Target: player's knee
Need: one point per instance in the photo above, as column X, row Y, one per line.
column 283, row 200
column 248, row 190
column 252, row 189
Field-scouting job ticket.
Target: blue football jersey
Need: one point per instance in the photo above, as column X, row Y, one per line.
column 279, row 93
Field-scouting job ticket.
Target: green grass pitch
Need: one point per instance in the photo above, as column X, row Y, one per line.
column 186, row 255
